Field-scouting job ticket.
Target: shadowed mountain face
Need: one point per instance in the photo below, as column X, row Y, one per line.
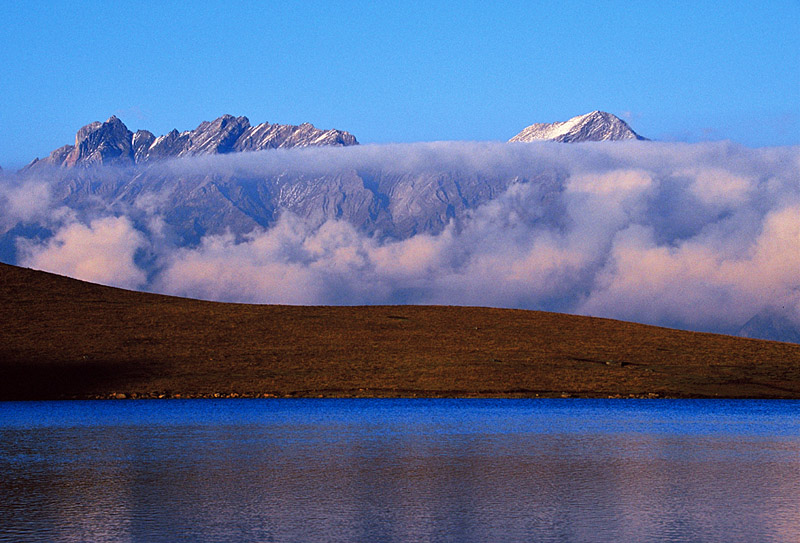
column 195, row 202
column 771, row 324
column 594, row 126
column 111, row 143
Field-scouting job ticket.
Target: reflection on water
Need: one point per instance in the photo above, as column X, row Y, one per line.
column 405, row 470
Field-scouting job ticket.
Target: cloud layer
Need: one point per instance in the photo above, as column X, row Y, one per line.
column 101, row 252
column 701, row 237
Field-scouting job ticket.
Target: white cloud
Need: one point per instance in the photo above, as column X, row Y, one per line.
column 24, row 201
column 695, row 236
column 695, row 285
column 719, row 187
column 102, row 252
column 700, row 236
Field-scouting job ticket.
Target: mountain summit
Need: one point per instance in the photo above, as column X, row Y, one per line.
column 594, row 126
column 112, row 143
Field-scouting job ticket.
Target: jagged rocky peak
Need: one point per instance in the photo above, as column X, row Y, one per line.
column 218, row 136
column 141, row 142
column 86, row 130
column 102, row 143
column 95, row 143
column 112, row 143
column 273, row 136
column 594, row 126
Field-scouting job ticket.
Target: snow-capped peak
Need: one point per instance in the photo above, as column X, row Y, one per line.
column 594, row 126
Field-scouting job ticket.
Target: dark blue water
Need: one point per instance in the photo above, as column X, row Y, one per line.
column 400, row 470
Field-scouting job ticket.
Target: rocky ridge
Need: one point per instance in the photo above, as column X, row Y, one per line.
column 111, row 143
column 594, row 126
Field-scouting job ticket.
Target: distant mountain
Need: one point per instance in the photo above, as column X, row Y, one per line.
column 111, row 143
column 478, row 195
column 594, row 126
column 771, row 324
column 199, row 202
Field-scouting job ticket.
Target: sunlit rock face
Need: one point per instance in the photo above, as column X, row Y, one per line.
column 108, row 143
column 111, row 143
column 594, row 126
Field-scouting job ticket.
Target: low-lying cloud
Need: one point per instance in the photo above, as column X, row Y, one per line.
column 695, row 236
column 24, row 201
column 101, row 252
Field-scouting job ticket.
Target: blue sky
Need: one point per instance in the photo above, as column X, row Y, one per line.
column 400, row 72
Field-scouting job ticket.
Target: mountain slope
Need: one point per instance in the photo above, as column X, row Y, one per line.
column 594, row 126
column 63, row 338
column 197, row 201
column 111, row 143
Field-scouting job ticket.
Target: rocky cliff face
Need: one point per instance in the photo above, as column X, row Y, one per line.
column 594, row 126
column 198, row 203
column 101, row 143
column 111, row 143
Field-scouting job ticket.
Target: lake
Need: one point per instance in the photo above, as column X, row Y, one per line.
column 400, row 470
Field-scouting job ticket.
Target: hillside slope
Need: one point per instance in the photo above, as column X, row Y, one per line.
column 63, row 338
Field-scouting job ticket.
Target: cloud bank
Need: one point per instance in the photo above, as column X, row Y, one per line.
column 694, row 236
column 102, row 252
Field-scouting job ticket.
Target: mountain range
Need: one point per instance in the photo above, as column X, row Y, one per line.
column 181, row 189
column 394, row 204
column 112, row 169
column 111, row 143
column 195, row 201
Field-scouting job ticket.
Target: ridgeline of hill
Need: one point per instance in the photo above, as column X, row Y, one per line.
column 63, row 338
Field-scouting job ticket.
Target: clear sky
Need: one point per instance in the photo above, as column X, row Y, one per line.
column 400, row 71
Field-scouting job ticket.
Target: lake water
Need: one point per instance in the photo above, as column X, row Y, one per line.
column 400, row 470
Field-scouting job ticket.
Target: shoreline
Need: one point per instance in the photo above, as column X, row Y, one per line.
column 120, row 396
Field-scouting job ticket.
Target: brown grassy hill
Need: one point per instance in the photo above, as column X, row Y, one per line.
column 62, row 338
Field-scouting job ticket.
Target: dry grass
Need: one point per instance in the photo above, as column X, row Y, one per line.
column 62, row 338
